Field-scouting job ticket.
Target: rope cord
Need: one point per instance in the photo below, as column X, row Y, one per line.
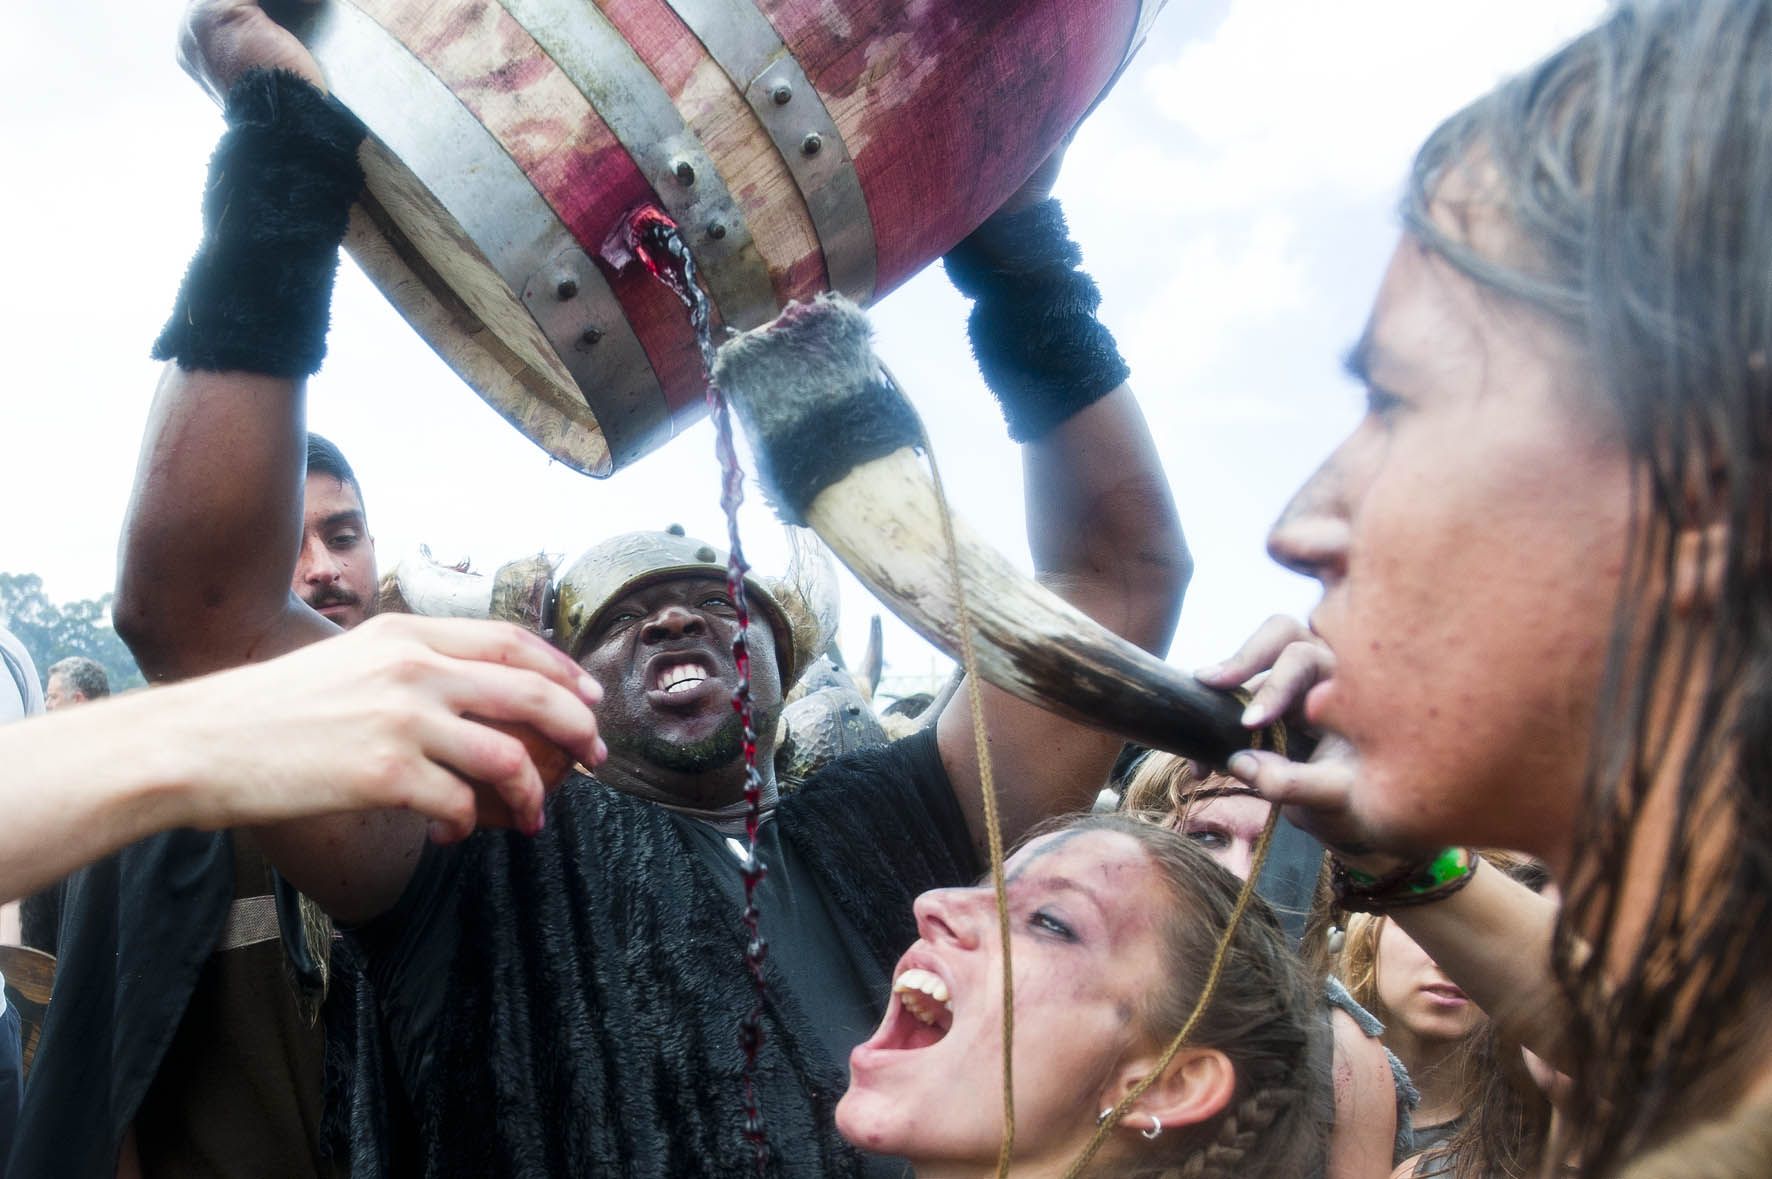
column 1220, row 954
column 988, row 788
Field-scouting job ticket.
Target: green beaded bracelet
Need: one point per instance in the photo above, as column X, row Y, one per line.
column 1438, row 877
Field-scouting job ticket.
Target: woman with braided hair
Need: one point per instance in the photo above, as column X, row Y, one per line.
column 1369, row 1130
column 1113, row 928
column 1546, row 620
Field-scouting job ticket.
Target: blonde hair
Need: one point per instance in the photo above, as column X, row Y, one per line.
column 1506, row 1120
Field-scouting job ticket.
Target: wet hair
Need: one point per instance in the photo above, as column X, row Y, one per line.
column 85, row 676
column 1167, row 784
column 325, row 458
column 1265, row 1017
column 1632, row 168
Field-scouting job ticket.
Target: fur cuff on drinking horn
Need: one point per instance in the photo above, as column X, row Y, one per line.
column 257, row 296
column 815, row 399
column 1034, row 333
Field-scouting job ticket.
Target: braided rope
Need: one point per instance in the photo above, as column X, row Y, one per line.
column 988, row 787
column 1220, row 954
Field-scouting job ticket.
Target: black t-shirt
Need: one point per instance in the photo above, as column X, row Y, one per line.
column 617, row 899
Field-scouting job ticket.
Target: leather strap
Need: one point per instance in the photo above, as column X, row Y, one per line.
column 251, row 920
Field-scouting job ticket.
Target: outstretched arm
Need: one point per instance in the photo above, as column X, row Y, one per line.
column 1101, row 521
column 373, row 720
column 1106, row 538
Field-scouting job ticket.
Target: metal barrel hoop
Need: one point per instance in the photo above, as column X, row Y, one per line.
column 742, row 41
column 421, row 123
column 592, row 53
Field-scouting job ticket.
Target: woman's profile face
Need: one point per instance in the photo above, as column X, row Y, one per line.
column 1469, row 536
column 1415, row 996
column 1085, row 913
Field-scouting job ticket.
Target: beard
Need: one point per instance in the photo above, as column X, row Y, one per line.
column 717, row 750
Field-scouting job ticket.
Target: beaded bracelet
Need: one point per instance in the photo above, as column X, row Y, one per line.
column 1420, row 883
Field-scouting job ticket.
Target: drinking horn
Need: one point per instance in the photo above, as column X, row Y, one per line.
column 518, row 591
column 836, row 445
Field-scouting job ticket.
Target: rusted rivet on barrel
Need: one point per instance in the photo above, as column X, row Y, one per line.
column 782, row 94
column 716, row 229
column 811, row 145
column 588, row 337
column 685, row 172
column 566, row 288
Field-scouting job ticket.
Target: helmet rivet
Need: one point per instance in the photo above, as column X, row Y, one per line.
column 704, row 553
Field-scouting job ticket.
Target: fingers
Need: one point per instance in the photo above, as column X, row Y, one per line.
column 491, row 643
column 1295, row 671
column 1257, row 653
column 507, row 789
column 503, row 693
column 220, row 40
column 1314, row 785
column 492, row 702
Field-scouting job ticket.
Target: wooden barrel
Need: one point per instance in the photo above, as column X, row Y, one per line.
column 802, row 145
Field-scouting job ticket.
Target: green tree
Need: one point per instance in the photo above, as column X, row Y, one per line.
column 51, row 632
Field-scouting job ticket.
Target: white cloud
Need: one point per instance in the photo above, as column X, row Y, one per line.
column 1215, row 289
column 1293, row 97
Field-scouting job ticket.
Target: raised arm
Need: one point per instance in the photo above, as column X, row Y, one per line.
column 1101, row 521
column 211, row 540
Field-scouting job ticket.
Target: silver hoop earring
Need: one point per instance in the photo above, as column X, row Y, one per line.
column 1156, row 1128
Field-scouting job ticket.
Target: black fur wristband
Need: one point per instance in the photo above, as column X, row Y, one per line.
column 1033, row 328
column 257, row 295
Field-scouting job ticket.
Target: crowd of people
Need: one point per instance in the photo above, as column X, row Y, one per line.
column 349, row 892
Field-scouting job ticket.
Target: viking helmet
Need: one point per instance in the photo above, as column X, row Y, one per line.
column 800, row 606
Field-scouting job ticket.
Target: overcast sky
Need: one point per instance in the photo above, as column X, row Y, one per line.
column 1234, row 197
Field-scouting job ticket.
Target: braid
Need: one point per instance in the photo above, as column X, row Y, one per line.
column 1239, row 1131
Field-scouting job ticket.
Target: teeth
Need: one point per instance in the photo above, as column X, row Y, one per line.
column 922, row 993
column 680, row 677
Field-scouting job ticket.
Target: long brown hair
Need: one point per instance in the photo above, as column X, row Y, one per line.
column 1634, row 168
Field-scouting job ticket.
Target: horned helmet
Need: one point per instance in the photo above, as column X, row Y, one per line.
column 800, row 606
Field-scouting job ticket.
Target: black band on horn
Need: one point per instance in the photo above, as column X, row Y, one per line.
column 814, row 399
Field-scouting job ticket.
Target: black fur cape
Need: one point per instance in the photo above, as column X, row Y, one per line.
column 592, row 1021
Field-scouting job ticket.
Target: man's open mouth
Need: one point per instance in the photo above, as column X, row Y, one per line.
column 674, row 678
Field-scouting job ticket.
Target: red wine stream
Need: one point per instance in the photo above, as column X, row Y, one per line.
column 654, row 239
